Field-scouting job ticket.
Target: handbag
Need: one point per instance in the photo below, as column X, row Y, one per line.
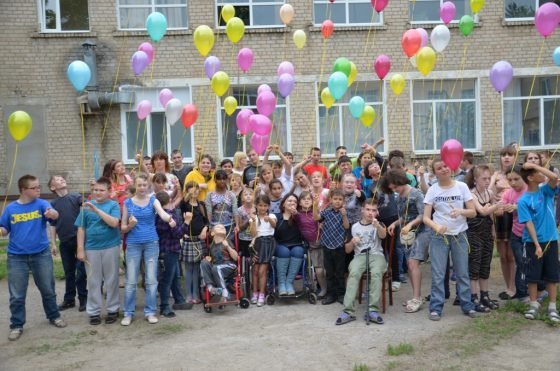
column 407, row 239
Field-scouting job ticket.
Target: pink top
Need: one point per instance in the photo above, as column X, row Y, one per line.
column 510, row 196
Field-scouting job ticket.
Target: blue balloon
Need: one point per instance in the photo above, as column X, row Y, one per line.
column 356, row 106
column 79, row 75
column 156, row 24
column 338, row 83
column 556, row 56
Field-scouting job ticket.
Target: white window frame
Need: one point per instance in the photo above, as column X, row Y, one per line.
column 439, row 21
column 521, row 19
column 153, row 6
column 433, row 102
column 250, row 4
column 42, row 19
column 347, row 3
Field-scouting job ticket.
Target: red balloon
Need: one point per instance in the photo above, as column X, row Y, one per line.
column 382, row 66
column 379, row 5
column 189, row 115
column 411, row 42
column 327, row 28
column 452, row 153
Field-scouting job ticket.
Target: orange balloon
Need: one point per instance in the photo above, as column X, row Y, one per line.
column 411, row 42
column 189, row 115
column 327, row 28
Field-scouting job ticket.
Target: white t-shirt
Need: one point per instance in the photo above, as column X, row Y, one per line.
column 444, row 200
column 264, row 228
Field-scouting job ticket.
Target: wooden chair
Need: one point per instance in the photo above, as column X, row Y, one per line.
column 386, row 286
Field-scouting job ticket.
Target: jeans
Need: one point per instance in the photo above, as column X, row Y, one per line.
column 169, row 281
column 439, row 251
column 289, row 252
column 41, row 267
column 134, row 253
column 520, row 282
column 74, row 271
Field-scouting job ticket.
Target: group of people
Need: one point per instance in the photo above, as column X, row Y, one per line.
column 173, row 220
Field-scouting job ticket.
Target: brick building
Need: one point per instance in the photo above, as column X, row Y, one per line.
column 39, row 38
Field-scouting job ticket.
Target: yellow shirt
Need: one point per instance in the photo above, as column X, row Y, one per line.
column 197, row 177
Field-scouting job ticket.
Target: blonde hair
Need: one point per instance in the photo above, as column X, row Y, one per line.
column 236, row 157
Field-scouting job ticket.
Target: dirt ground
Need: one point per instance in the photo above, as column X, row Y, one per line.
column 287, row 335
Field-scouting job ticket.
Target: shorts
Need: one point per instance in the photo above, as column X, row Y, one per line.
column 420, row 249
column 316, row 255
column 503, row 226
column 547, row 267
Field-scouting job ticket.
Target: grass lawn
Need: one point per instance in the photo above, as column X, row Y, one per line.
column 58, row 271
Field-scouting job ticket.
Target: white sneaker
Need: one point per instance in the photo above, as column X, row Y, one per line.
column 396, row 286
column 126, row 321
column 152, row 319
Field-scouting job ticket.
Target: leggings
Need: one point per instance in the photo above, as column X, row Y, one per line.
column 192, row 278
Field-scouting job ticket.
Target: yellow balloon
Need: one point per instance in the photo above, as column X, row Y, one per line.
column 327, row 98
column 397, row 84
column 19, row 125
column 426, row 60
column 203, row 39
column 230, row 105
column 353, row 73
column 300, row 38
column 228, row 11
column 476, row 5
column 286, row 13
column 220, row 83
column 235, row 29
column 368, row 116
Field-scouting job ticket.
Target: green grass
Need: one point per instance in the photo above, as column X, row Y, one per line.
column 397, row 350
column 514, row 306
column 168, row 329
column 392, row 365
column 360, row 367
column 57, row 263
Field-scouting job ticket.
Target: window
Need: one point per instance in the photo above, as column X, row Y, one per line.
column 229, row 139
column 346, row 12
column 133, row 13
column 337, row 127
column 154, row 133
column 442, row 110
column 523, row 9
column 254, row 13
column 427, row 11
column 532, row 119
column 64, row 15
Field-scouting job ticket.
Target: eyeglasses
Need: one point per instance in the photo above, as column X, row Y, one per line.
column 34, row 188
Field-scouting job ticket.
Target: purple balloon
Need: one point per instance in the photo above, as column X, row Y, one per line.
column 447, row 12
column 285, row 67
column 245, row 59
column 211, row 66
column 262, row 88
column 259, row 142
column 547, row 18
column 266, row 103
column 424, row 34
column 260, row 124
column 501, row 75
column 139, row 62
column 286, row 84
column 147, row 48
column 242, row 120
column 165, row 95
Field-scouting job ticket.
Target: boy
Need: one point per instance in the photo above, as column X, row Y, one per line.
column 28, row 250
column 339, row 152
column 99, row 242
column 252, row 170
column 335, row 224
column 179, row 169
column 366, row 235
column 535, row 209
column 68, row 207
column 315, row 165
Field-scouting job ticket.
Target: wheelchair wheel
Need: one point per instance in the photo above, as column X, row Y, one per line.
column 207, row 309
column 312, row 298
column 244, row 303
column 270, row 299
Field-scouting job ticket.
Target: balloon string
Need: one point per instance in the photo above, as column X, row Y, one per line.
column 552, row 121
column 364, row 52
column 11, row 176
column 83, row 148
column 323, row 55
column 115, row 82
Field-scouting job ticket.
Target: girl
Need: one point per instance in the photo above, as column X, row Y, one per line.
column 318, row 191
column 221, row 205
column 245, row 212
column 364, row 159
column 119, row 181
column 265, row 177
column 353, row 198
column 262, row 227
column 227, row 166
column 301, row 183
column 448, row 199
column 275, row 189
column 160, row 164
column 239, row 163
column 204, row 176
column 370, row 182
column 236, row 186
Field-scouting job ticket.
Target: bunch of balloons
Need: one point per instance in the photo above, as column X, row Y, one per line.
column 286, row 80
column 142, row 58
column 414, row 44
column 344, row 74
column 174, row 109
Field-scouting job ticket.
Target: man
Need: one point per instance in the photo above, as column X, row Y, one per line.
column 465, row 166
column 179, row 169
column 315, row 165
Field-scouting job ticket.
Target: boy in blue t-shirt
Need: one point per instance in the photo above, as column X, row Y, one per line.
column 535, row 209
column 25, row 220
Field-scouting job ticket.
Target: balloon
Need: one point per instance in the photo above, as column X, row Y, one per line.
column 260, row 124
column 165, row 95
column 262, row 88
column 413, row 61
column 327, row 28
column 189, row 115
column 501, row 75
column 230, row 105
column 79, row 74
column 476, row 5
column 356, row 106
column 466, row 24
column 211, row 66
column 286, row 14
column 259, row 142
column 440, row 37
column 338, row 83
column 266, row 103
column 452, row 153
column 342, row 65
column 326, row 98
column 353, row 74
column 286, row 84
column 147, row 48
column 143, row 109
column 426, row 60
column 156, row 24
column 379, row 5
column 368, row 116
column 245, row 59
column 285, row 67
column 447, row 12
column 300, row 38
column 242, row 120
column 173, row 110
column 19, row 125
column 382, row 65
column 397, row 83
column 228, row 11
column 220, row 83
column 424, row 36
column 411, row 42
column 203, row 39
column 547, row 18
column 139, row 62
column 556, row 56
column 235, row 29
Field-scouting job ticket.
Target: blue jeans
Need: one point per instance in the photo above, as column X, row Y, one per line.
column 134, row 253
column 41, row 267
column 74, row 271
column 169, row 281
column 520, row 282
column 439, row 251
column 289, row 252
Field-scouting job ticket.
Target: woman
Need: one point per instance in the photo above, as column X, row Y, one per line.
column 119, row 181
column 203, row 176
column 239, row 162
column 221, row 204
column 160, row 164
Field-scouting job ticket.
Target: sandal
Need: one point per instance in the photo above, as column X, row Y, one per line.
column 373, row 316
column 344, row 318
column 505, row 296
column 553, row 315
column 413, row 305
column 489, row 303
column 531, row 313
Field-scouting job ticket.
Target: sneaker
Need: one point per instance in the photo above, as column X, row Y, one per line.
column 215, row 291
column 434, row 316
column 66, row 305
column 531, row 313
column 255, row 298
column 396, row 285
column 94, row 320
column 473, row 313
column 182, row 306
column 59, row 322
column 167, row 314
column 15, row 334
column 152, row 319
column 111, row 317
column 126, row 321
column 260, row 301
column 553, row 315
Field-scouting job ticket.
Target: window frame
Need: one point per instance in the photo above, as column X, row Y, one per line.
column 439, row 21
column 347, row 4
column 43, row 21
column 152, row 8
column 250, row 4
column 522, row 19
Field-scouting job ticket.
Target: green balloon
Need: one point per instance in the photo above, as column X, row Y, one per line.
column 466, row 25
column 342, row 65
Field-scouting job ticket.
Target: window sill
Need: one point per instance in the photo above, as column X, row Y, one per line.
column 257, row 30
column 431, row 25
column 143, row 33
column 513, row 23
column 380, row 27
column 63, row 35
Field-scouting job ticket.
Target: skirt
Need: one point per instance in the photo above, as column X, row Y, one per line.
column 265, row 247
column 503, row 226
column 193, row 250
column 316, row 254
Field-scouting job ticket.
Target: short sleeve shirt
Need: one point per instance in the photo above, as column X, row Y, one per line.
column 99, row 235
column 333, row 232
column 68, row 208
column 538, row 207
column 27, row 226
column 444, row 200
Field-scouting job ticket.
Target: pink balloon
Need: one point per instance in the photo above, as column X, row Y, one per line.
column 242, row 120
column 143, row 109
column 547, row 18
column 245, row 59
column 259, row 142
column 266, row 103
column 263, row 87
column 379, row 5
column 382, row 66
column 139, row 62
column 452, row 153
column 447, row 12
column 147, row 48
column 424, row 35
column 165, row 95
column 260, row 124
column 285, row 67
column 286, row 83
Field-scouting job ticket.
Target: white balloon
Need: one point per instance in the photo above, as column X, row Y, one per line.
column 173, row 111
column 412, row 61
column 440, row 37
